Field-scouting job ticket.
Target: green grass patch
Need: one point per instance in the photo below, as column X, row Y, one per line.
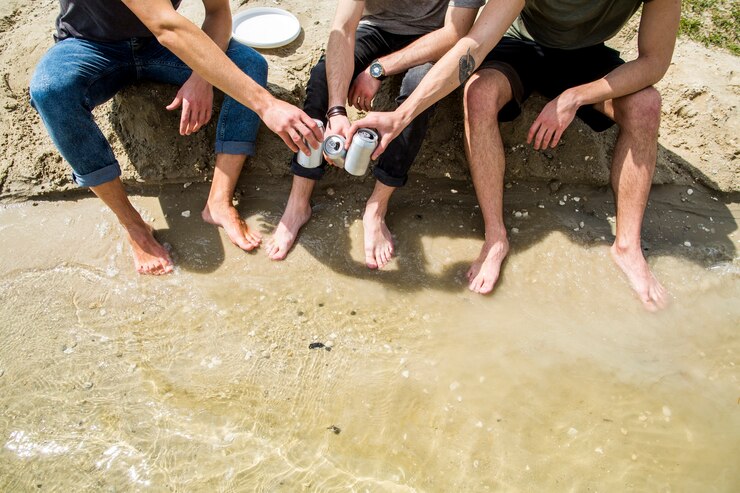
column 712, row 22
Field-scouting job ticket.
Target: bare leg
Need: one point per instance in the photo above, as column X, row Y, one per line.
column 297, row 213
column 378, row 239
column 485, row 94
column 638, row 116
column 150, row 257
column 219, row 209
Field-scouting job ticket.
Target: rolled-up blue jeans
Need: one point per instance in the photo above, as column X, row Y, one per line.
column 76, row 75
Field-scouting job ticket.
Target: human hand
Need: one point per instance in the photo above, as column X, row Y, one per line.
column 337, row 125
column 292, row 125
column 196, row 99
column 552, row 121
column 388, row 124
column 363, row 90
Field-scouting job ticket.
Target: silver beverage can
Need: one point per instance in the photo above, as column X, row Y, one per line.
column 314, row 160
column 362, row 147
column 334, row 150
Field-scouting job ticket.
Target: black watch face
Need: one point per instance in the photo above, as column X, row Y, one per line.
column 376, row 70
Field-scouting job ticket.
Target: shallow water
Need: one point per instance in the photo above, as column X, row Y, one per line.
column 204, row 380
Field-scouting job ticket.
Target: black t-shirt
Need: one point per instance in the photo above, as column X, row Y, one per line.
column 99, row 20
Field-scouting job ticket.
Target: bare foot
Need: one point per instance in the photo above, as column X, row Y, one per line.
column 226, row 216
column 484, row 272
column 150, row 257
column 295, row 216
column 651, row 293
column 378, row 240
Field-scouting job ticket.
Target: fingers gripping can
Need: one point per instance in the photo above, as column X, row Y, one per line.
column 314, row 160
column 360, row 150
column 334, row 150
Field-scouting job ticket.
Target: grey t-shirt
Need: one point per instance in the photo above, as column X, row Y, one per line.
column 99, row 20
column 572, row 24
column 411, row 16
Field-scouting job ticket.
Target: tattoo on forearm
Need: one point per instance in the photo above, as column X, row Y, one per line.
column 467, row 65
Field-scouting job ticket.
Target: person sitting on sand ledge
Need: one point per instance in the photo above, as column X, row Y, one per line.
column 556, row 48
column 104, row 45
column 370, row 40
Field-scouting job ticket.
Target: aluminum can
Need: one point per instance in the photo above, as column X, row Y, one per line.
column 362, row 147
column 314, row 160
column 334, row 150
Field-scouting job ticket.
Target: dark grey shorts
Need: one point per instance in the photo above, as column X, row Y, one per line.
column 531, row 67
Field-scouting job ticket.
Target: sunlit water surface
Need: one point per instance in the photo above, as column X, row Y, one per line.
column 204, row 380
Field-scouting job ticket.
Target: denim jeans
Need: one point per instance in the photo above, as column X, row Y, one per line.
column 371, row 43
column 76, row 75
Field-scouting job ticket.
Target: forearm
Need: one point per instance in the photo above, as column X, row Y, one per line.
column 626, row 79
column 429, row 48
column 340, row 55
column 201, row 54
column 432, row 46
column 454, row 68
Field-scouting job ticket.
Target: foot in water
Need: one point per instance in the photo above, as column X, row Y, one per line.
column 227, row 217
column 631, row 261
column 484, row 272
column 150, row 257
column 378, row 240
column 295, row 216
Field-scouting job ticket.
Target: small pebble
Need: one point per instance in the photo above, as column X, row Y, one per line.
column 87, row 385
column 517, row 214
column 334, row 429
column 577, row 199
column 690, row 191
column 561, row 202
column 2, row 372
column 185, row 213
column 599, row 450
column 572, row 432
column 508, row 185
column 405, row 374
column 687, row 243
column 623, row 431
column 515, row 230
column 581, row 224
column 453, row 190
column 634, row 457
column 666, row 411
column 186, row 185
column 525, row 214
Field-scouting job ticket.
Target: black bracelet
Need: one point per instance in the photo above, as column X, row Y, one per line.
column 336, row 110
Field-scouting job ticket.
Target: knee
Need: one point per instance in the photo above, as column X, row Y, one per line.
column 483, row 97
column 639, row 112
column 249, row 61
column 49, row 89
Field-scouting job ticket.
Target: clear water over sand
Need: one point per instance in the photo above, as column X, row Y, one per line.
column 204, row 380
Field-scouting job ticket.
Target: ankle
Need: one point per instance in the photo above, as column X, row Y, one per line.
column 496, row 234
column 625, row 247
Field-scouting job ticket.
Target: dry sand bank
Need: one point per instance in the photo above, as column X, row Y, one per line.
column 698, row 139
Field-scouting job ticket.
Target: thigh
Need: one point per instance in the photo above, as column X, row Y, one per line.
column 563, row 69
column 77, row 68
column 519, row 61
column 372, row 43
column 577, row 67
column 159, row 64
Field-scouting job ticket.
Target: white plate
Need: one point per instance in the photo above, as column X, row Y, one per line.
column 265, row 27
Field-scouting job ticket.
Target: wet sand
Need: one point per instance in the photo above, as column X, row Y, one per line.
column 204, row 380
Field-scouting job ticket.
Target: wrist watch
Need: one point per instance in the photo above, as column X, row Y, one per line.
column 376, row 70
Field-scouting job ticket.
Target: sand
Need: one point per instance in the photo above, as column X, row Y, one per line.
column 204, row 380
column 698, row 142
